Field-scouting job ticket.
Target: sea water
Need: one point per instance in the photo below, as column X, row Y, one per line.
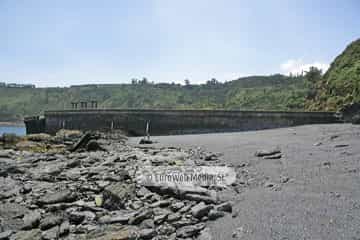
column 18, row 130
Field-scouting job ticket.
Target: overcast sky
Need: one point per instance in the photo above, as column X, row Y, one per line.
column 65, row 42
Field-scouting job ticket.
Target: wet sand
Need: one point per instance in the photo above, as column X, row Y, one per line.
column 315, row 186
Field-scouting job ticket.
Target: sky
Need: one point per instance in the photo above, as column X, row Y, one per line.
column 68, row 42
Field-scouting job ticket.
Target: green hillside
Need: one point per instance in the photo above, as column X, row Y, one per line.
column 341, row 83
column 275, row 92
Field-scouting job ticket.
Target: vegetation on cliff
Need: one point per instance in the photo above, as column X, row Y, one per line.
column 340, row 85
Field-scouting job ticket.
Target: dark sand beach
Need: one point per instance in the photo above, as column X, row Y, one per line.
column 311, row 192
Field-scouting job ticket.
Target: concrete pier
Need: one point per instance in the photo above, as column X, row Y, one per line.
column 168, row 122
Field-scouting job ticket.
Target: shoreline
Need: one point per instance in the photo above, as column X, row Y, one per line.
column 12, row 124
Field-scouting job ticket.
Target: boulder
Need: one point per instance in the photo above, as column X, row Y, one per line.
column 225, row 207
column 200, row 210
column 34, row 234
column 93, row 146
column 5, row 235
column 356, row 119
column 190, row 231
column 31, row 220
column 147, row 233
column 64, row 228
column 50, row 221
column 39, row 137
column 126, row 233
column 58, row 197
column 205, row 235
column 349, row 111
column 267, row 152
column 116, row 195
column 214, row 214
column 51, row 234
column 141, row 216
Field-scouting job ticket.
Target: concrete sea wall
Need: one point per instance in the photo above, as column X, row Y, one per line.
column 167, row 122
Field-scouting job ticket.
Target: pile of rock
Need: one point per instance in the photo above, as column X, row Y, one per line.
column 84, row 194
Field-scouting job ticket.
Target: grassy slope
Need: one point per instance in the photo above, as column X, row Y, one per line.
column 275, row 92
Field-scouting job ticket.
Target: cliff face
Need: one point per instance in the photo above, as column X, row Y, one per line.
column 340, row 85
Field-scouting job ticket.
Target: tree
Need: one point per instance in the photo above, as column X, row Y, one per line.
column 134, row 81
column 313, row 75
column 187, row 82
column 144, row 80
column 212, row 81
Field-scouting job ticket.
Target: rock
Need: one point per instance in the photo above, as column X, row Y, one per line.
column 284, row 179
column 145, row 141
column 205, row 235
column 147, row 223
column 214, row 214
column 147, row 233
column 122, row 218
column 116, row 195
column 173, row 217
column 159, row 219
column 9, row 168
column 50, row 221
column 51, row 234
column 34, row 234
column 225, row 207
column 10, row 138
column 341, row 145
column 58, row 197
column 39, row 137
column 99, row 200
column 190, row 231
column 274, row 156
column 177, row 206
column 269, row 184
column 201, row 198
column 73, row 163
column 165, row 229
column 184, row 209
column 327, row 164
column 11, row 215
column 140, row 216
column 68, row 135
column 355, row 119
column 262, row 153
column 349, row 111
column 31, row 220
column 26, row 189
column 5, row 235
column 210, row 157
column 76, row 217
column 200, row 210
column 82, row 142
column 5, row 154
column 126, row 233
column 93, row 146
column 64, row 228
column 183, row 222
column 161, row 203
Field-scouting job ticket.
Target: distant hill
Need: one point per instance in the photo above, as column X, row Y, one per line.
column 340, row 85
column 275, row 92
